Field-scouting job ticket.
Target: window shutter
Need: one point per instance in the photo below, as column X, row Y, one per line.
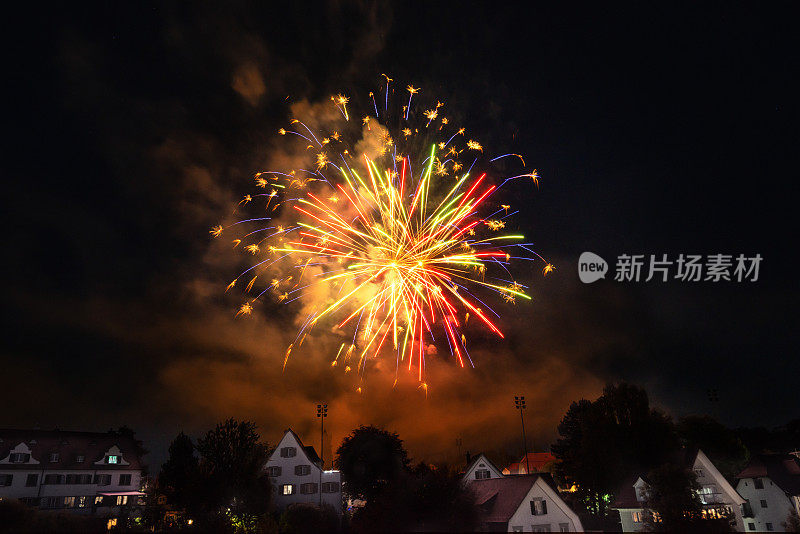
column 544, row 507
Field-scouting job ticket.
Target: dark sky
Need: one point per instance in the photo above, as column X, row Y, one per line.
column 657, row 129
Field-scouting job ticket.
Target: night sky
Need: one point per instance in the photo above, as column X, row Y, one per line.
column 131, row 129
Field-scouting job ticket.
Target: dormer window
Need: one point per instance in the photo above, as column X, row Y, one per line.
column 481, row 474
column 79, row 458
column 288, row 452
column 54, row 457
column 112, row 459
column 641, row 493
column 19, row 458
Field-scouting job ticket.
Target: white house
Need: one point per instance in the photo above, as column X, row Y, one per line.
column 479, row 467
column 771, row 485
column 81, row 472
column 523, row 503
column 718, row 497
column 298, row 476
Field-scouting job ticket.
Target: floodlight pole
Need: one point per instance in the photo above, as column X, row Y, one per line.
column 519, row 403
column 322, row 413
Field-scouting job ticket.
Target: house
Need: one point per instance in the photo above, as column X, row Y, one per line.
column 718, row 497
column 80, row 472
column 524, row 503
column 298, row 475
column 479, row 467
column 771, row 485
column 536, row 461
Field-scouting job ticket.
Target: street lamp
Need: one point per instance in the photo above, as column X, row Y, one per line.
column 322, row 413
column 519, row 403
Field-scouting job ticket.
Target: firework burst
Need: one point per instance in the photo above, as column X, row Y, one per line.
column 402, row 241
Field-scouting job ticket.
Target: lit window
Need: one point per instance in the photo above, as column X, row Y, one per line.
column 122, row 500
column 636, row 516
column 82, row 501
column 112, row 459
column 69, row 502
column 287, row 489
column 98, row 499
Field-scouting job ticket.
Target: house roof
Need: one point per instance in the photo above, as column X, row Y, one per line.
column 482, row 457
column 536, row 461
column 309, row 450
column 69, row 445
column 782, row 469
column 498, row 498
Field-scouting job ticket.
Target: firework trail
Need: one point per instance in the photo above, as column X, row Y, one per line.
column 403, row 239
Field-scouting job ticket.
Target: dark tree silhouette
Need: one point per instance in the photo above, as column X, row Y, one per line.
column 603, row 442
column 308, row 519
column 673, row 504
column 719, row 443
column 369, row 459
column 178, row 478
column 231, row 461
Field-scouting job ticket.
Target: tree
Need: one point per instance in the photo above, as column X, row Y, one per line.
column 234, row 484
column 673, row 504
column 179, row 475
column 792, row 523
column 308, row 519
column 369, row 459
column 426, row 498
column 602, row 443
column 720, row 444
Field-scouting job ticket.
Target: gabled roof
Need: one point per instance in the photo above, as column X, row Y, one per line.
column 626, row 494
column 69, row 445
column 498, row 499
column 482, row 457
column 308, row 450
column 782, row 469
column 536, row 460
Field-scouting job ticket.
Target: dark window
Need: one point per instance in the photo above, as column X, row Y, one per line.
column 769, row 527
column 302, row 470
column 32, row 479
column 54, row 479
column 481, row 474
column 275, row 471
column 763, row 503
column 54, row 456
column 330, row 487
column 538, row 507
column 309, row 488
column 5, row 480
column 19, row 458
column 80, row 458
column 102, row 480
column 288, row 452
column 758, row 483
column 751, row 526
column 125, row 480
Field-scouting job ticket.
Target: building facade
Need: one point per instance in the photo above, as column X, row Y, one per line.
column 717, row 496
column 479, row 467
column 81, row 472
column 771, row 485
column 523, row 503
column 298, row 476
